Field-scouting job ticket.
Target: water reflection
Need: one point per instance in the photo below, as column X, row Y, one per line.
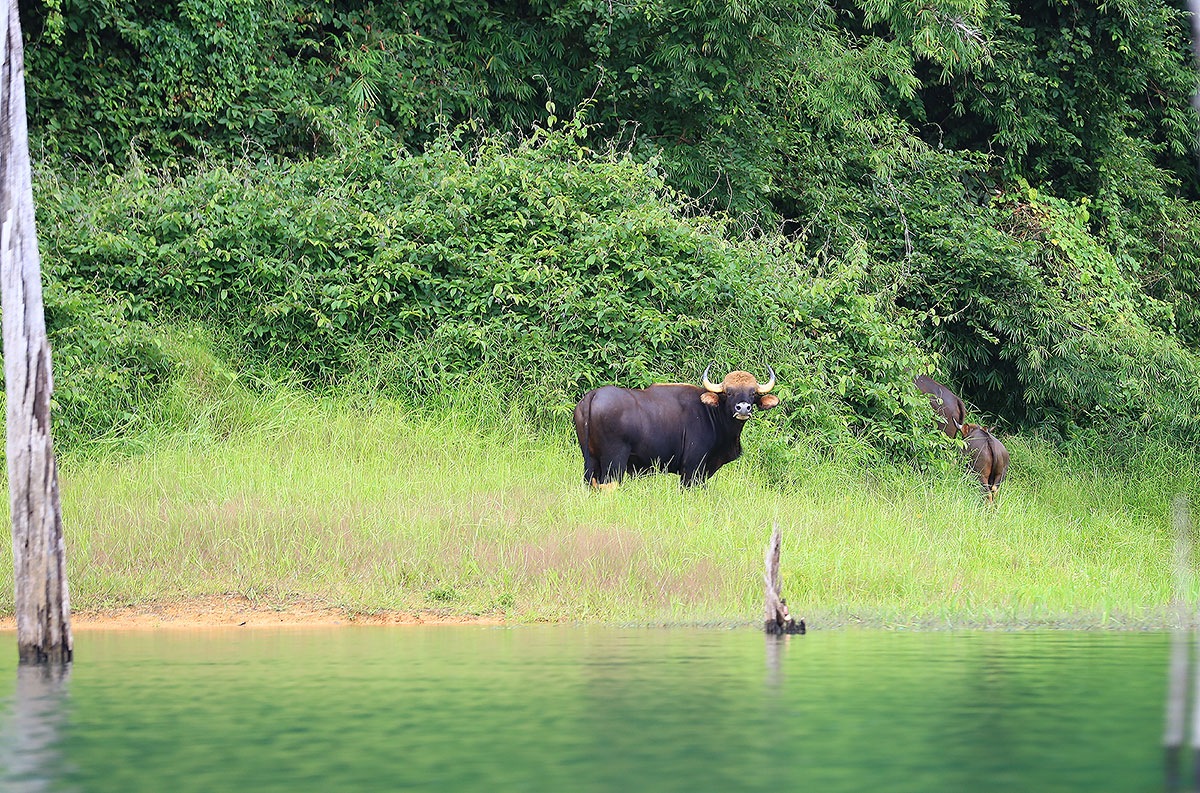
column 30, row 733
column 1175, row 732
column 776, row 654
column 1177, row 685
column 589, row 710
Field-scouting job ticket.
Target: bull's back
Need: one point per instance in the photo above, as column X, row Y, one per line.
column 650, row 420
column 979, row 452
column 600, row 414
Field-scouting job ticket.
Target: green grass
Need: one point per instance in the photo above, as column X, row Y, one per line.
column 366, row 505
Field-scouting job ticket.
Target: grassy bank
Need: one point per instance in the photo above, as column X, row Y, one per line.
column 372, row 507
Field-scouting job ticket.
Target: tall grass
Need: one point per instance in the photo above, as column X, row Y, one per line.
column 369, row 505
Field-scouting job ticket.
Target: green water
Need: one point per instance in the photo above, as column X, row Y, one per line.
column 587, row 709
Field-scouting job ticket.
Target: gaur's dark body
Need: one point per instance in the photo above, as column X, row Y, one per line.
column 952, row 414
column 988, row 458
column 679, row 428
column 661, row 427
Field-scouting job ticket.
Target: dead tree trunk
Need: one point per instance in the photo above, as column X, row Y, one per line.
column 43, row 608
column 778, row 620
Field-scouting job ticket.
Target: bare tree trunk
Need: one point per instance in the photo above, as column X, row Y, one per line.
column 776, row 617
column 39, row 556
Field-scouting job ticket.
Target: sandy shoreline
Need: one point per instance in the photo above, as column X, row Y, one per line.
column 235, row 611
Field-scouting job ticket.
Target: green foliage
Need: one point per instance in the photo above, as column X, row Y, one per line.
column 754, row 105
column 108, row 76
column 894, row 142
column 107, row 369
column 1042, row 326
column 184, row 77
column 1072, row 88
column 541, row 265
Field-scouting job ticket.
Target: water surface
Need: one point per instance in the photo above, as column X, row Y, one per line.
column 586, row 709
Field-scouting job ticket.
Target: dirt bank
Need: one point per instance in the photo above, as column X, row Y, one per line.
column 235, row 611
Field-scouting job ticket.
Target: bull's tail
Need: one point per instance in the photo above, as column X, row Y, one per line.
column 583, row 424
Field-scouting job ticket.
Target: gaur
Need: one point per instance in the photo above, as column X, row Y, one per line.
column 987, row 457
column 678, row 428
column 949, row 408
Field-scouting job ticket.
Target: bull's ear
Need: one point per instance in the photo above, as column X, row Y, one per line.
column 767, row 401
column 710, row 399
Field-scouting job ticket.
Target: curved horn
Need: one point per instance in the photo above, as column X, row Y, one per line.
column 709, row 385
column 767, row 386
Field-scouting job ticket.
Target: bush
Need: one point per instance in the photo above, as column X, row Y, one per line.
column 1042, row 325
column 107, row 369
column 539, row 264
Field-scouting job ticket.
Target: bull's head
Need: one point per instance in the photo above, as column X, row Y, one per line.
column 741, row 392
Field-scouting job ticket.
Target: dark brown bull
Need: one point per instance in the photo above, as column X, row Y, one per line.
column 949, row 408
column 676, row 427
column 987, row 457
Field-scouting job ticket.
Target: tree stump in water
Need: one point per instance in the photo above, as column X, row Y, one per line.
column 39, row 559
column 778, row 620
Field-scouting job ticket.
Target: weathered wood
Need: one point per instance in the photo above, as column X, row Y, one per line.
column 777, row 619
column 39, row 556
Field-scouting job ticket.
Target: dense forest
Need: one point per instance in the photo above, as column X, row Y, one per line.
column 552, row 194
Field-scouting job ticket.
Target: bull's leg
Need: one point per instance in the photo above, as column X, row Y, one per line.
column 691, row 477
column 610, row 469
column 990, row 487
column 984, row 468
column 589, row 467
column 694, row 469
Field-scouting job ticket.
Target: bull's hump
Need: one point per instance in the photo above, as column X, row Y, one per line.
column 682, row 392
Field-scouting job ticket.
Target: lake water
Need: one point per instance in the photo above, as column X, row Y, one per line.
column 587, row 709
